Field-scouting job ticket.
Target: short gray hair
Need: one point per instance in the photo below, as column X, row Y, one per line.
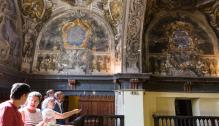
column 36, row 94
column 46, row 101
column 58, row 93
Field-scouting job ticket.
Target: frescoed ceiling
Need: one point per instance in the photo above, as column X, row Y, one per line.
column 181, row 38
column 75, row 42
column 10, row 34
column 72, row 37
column 95, row 37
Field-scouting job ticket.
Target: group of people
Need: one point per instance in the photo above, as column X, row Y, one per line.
column 21, row 109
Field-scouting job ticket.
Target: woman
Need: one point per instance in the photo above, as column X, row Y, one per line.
column 48, row 112
column 31, row 115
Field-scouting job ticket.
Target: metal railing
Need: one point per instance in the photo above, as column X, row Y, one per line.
column 99, row 120
column 186, row 120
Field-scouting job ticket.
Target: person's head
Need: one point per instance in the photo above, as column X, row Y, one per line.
column 59, row 95
column 48, row 103
column 19, row 91
column 33, row 100
column 50, row 93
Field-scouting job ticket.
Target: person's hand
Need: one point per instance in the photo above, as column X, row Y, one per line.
column 77, row 111
column 46, row 120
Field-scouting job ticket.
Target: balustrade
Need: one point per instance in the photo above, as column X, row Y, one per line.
column 186, row 120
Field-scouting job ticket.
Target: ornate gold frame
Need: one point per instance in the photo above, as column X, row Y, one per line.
column 77, row 22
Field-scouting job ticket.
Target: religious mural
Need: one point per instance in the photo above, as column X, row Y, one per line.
column 36, row 13
column 76, row 42
column 113, row 12
column 10, row 37
column 94, row 38
column 178, row 45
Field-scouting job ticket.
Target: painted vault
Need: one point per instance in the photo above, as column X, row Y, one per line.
column 75, row 42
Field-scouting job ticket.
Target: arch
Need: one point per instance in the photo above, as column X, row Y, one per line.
column 176, row 45
column 75, row 41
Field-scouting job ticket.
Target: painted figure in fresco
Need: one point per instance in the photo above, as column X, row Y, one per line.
column 52, row 62
column 94, row 65
column 46, row 62
column 28, row 46
column 4, row 45
column 8, row 34
column 73, row 46
column 99, row 63
column 160, row 68
column 107, row 63
column 39, row 62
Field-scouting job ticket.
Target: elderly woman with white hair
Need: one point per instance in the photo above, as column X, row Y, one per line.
column 31, row 115
column 48, row 112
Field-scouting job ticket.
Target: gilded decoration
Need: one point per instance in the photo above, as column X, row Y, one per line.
column 76, row 34
column 76, row 42
column 178, row 46
column 116, row 9
column 134, row 36
column 33, row 8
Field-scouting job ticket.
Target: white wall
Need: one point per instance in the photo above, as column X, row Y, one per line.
column 196, row 107
column 130, row 104
column 163, row 103
column 139, row 106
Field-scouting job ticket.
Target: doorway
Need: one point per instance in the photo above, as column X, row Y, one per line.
column 183, row 107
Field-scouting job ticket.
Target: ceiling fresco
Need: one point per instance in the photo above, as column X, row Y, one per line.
column 181, row 43
column 80, row 27
column 75, row 42
column 92, row 37
column 10, row 37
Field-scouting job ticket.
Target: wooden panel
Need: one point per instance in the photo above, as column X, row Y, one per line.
column 97, row 105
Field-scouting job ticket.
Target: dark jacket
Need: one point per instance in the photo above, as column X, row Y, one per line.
column 57, row 109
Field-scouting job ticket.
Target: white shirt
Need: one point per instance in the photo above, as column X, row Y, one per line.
column 49, row 114
column 60, row 106
column 31, row 118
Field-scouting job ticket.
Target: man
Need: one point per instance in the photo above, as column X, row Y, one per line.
column 9, row 114
column 50, row 93
column 59, row 96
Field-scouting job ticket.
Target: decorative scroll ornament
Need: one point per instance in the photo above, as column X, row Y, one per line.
column 76, row 34
column 213, row 16
column 34, row 9
column 115, row 9
column 136, row 17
